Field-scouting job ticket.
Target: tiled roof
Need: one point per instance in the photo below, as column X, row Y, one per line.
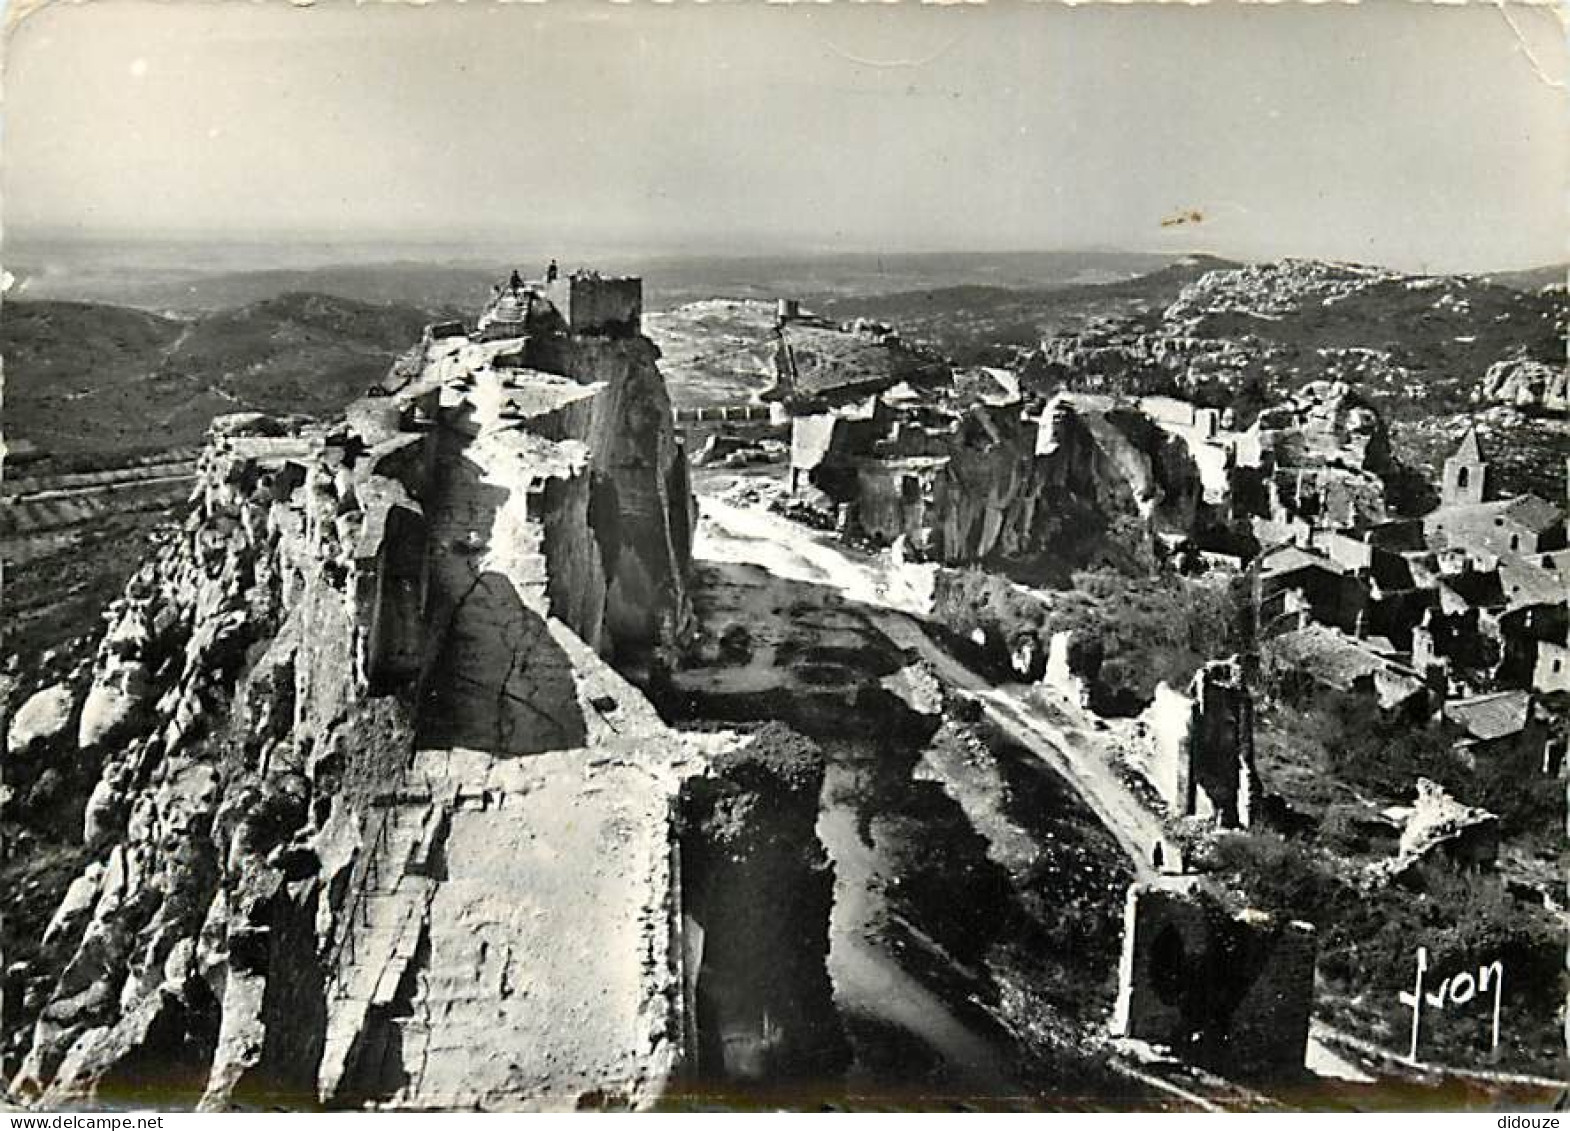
column 1487, row 717
column 1288, row 558
column 1531, row 511
column 1525, row 583
column 1329, row 656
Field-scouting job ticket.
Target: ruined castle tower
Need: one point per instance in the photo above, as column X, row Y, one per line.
column 1466, row 474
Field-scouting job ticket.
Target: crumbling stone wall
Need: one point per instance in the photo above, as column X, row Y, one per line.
column 1229, row 990
column 1199, row 751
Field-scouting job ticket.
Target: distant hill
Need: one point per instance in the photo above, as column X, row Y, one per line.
column 197, row 277
column 93, row 381
column 438, row 290
column 974, row 323
column 1419, row 344
column 1533, row 278
column 52, row 344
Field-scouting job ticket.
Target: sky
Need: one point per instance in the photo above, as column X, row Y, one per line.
column 1422, row 136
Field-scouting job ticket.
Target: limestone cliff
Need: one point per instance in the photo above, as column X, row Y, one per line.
column 640, row 489
column 378, row 823
column 1091, row 482
column 1524, row 383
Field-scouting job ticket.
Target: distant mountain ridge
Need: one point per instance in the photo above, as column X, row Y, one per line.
column 980, row 323
column 85, row 378
column 164, row 280
column 1555, row 275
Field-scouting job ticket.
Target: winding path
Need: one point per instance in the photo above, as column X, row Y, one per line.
column 894, row 606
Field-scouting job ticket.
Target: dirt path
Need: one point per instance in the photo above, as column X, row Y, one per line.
column 948, row 1055
column 868, row 979
column 786, row 549
column 730, row 533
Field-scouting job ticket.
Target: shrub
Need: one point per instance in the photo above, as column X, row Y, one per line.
column 1368, row 939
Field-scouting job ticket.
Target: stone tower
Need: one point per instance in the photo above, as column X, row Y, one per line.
column 1466, row 473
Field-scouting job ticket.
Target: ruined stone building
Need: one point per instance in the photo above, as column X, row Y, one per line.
column 1198, row 748
column 819, row 365
column 1439, row 830
column 1219, row 987
column 1320, row 656
column 1551, row 670
column 1315, row 461
column 1479, row 601
column 1493, row 722
column 1504, row 558
column 1469, row 520
column 1298, row 586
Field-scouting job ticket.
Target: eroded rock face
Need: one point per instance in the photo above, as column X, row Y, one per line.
column 641, row 501
column 42, row 718
column 284, row 833
column 200, row 743
column 1524, row 383
column 1088, row 482
column 1096, row 481
column 1326, row 424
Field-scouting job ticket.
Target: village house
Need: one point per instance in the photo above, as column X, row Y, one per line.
column 1493, row 722
column 1318, row 655
column 1299, row 586
column 1503, row 559
column 1551, row 671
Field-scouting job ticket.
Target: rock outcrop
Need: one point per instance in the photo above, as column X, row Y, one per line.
column 44, row 716
column 756, row 882
column 1319, row 459
column 1523, row 383
column 1440, row 829
column 1089, row 481
column 378, row 823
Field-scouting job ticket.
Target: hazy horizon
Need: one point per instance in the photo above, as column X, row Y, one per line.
column 1415, row 136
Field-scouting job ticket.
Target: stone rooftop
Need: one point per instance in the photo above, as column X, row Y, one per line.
column 1489, row 717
